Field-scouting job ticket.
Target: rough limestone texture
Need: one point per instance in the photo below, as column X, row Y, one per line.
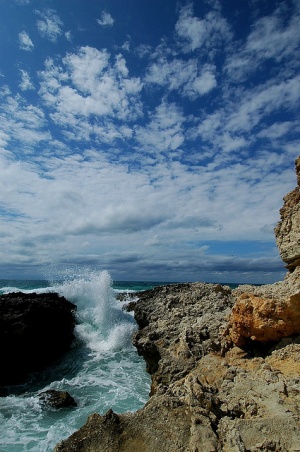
column 207, row 394
column 287, row 230
column 266, row 313
column 225, row 366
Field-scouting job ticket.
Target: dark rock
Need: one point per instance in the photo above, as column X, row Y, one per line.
column 35, row 330
column 57, row 399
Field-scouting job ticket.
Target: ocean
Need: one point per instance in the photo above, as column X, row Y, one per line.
column 101, row 371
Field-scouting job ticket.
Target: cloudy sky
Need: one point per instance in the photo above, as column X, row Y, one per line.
column 155, row 139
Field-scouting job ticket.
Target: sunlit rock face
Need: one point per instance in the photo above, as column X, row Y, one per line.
column 287, row 231
column 266, row 318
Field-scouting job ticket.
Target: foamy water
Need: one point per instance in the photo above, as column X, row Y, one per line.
column 101, row 371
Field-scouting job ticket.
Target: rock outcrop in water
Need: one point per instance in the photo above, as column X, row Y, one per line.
column 225, row 367
column 35, row 330
column 56, row 399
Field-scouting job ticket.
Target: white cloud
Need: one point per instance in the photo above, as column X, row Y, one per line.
column 23, row 123
column 153, row 241
column 143, row 50
column 126, row 46
column 90, row 84
column 4, row 139
column 274, row 37
column 202, row 84
column 25, row 41
column 229, row 143
column 191, row 28
column 25, row 82
column 68, row 36
column 164, row 133
column 257, row 103
column 183, row 76
column 279, row 129
column 106, row 20
column 270, row 37
column 120, row 66
column 201, row 33
column 240, row 123
column 49, row 24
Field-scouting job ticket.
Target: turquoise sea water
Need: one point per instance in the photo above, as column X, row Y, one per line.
column 101, row 371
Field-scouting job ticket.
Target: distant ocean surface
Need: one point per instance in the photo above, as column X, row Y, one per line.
column 102, row 370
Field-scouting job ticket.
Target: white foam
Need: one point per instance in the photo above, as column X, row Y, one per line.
column 102, row 324
column 9, row 289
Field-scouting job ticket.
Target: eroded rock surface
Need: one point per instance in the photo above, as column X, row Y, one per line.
column 179, row 324
column 266, row 313
column 287, row 231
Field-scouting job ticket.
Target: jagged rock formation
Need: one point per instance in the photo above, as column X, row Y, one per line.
column 287, row 231
column 35, row 330
column 178, row 325
column 225, row 366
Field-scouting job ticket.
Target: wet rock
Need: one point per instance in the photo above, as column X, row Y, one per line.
column 57, row 399
column 35, row 330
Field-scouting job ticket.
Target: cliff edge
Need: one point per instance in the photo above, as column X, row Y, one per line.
column 225, row 366
column 287, row 232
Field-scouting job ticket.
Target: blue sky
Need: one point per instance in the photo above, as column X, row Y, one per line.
column 152, row 139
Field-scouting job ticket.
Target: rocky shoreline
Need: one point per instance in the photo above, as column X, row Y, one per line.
column 207, row 394
column 225, row 365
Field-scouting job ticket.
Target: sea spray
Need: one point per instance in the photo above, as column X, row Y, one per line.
column 101, row 323
column 101, row 371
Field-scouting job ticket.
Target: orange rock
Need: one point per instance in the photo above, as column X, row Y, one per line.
column 264, row 319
